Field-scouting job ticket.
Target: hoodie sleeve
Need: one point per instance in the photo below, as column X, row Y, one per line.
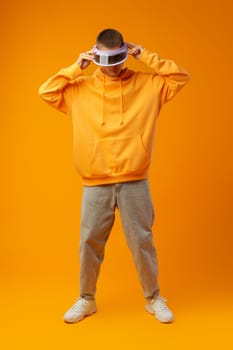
column 171, row 76
column 53, row 90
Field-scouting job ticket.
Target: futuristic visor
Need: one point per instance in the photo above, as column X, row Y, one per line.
column 110, row 57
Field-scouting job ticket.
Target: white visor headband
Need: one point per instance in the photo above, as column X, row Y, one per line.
column 110, row 57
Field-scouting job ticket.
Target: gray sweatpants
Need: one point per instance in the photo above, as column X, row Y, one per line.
column 97, row 217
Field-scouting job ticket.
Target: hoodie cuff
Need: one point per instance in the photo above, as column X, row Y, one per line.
column 146, row 56
column 72, row 71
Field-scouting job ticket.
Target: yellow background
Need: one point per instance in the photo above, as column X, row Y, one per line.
column 191, row 180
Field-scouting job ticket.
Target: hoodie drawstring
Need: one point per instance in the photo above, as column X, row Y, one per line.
column 121, row 103
column 103, row 120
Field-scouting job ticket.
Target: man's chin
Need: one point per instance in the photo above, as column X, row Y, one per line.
column 112, row 72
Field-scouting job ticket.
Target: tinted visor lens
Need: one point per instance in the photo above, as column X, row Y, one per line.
column 110, row 60
column 110, row 57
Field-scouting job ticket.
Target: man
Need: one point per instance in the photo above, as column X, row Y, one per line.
column 114, row 112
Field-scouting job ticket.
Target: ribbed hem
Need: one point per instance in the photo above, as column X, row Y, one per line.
column 72, row 71
column 113, row 180
column 146, row 57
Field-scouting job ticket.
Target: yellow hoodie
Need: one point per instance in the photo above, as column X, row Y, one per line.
column 114, row 117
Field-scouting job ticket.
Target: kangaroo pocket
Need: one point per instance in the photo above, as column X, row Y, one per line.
column 118, row 156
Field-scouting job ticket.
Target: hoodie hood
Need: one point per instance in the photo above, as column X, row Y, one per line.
column 124, row 74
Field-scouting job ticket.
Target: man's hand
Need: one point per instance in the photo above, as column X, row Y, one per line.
column 85, row 59
column 135, row 50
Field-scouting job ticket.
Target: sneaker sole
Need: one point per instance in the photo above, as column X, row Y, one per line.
column 148, row 309
column 80, row 319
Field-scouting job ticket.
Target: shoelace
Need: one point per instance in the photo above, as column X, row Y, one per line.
column 161, row 303
column 80, row 303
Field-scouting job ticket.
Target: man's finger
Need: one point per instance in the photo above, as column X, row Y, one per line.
column 130, row 45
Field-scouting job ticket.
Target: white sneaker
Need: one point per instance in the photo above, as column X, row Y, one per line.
column 159, row 308
column 83, row 307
